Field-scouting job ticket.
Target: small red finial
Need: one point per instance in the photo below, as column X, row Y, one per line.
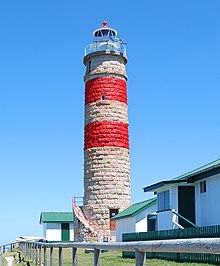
column 104, row 23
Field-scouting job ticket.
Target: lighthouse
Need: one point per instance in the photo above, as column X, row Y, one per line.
column 106, row 137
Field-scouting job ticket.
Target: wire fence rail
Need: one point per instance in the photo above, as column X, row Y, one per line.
column 37, row 251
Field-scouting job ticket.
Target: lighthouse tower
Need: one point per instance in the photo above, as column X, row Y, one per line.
column 106, row 139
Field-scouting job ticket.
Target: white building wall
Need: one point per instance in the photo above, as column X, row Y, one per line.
column 164, row 220
column 173, row 191
column 137, row 223
column 44, row 231
column 141, row 219
column 207, row 204
column 71, row 232
column 174, row 198
column 126, row 225
column 53, row 232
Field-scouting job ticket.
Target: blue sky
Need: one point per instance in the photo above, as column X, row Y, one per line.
column 173, row 90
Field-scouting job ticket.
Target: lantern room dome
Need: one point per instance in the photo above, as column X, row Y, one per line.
column 104, row 31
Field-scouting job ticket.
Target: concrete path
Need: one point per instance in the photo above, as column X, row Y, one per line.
column 10, row 260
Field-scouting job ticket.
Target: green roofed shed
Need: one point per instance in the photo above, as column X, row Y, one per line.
column 135, row 209
column 189, row 177
column 56, row 217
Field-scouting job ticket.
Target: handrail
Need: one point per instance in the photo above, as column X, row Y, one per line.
column 92, row 225
column 176, row 223
column 2, row 247
column 33, row 250
column 185, row 219
column 108, row 45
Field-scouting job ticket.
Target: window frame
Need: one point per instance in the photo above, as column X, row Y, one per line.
column 202, row 187
column 88, row 67
column 163, row 200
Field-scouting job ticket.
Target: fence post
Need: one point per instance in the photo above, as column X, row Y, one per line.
column 51, row 256
column 36, row 253
column 60, row 256
column 24, row 248
column 33, row 250
column 1, row 258
column 30, row 251
column 140, row 258
column 74, row 256
column 45, row 255
column 97, row 260
column 40, row 254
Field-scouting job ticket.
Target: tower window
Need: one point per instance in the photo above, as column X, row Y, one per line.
column 112, row 213
column 203, row 187
column 89, row 66
column 103, row 97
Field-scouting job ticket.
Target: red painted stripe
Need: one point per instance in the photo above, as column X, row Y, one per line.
column 113, row 88
column 101, row 134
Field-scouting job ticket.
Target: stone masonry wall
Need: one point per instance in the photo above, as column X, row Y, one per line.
column 106, row 64
column 112, row 88
column 106, row 111
column 106, row 147
column 106, row 133
column 107, row 182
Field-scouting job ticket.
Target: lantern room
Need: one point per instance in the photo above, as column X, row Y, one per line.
column 105, row 39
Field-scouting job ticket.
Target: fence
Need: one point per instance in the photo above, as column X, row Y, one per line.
column 37, row 251
column 189, row 233
column 5, row 247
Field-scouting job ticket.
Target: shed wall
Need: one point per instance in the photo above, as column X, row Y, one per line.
column 126, row 225
column 137, row 223
column 207, row 205
column 141, row 219
column 53, row 232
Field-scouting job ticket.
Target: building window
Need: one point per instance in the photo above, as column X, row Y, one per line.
column 163, row 200
column 112, row 213
column 203, row 187
column 103, row 97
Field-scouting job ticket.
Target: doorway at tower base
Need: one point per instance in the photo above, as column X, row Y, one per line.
column 86, row 230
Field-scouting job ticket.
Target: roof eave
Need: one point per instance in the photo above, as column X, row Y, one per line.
column 203, row 174
column 154, row 187
column 190, row 178
column 144, row 208
column 138, row 211
column 122, row 217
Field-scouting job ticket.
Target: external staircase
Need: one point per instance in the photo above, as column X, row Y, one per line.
column 93, row 229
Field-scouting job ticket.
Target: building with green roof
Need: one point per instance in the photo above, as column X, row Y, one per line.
column 57, row 226
column 134, row 218
column 193, row 195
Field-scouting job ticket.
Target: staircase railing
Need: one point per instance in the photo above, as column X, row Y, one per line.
column 89, row 223
column 182, row 217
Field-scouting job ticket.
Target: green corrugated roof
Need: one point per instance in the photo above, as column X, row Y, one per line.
column 56, row 217
column 135, row 209
column 199, row 169
column 185, row 177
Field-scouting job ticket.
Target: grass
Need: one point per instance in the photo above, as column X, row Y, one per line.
column 111, row 258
